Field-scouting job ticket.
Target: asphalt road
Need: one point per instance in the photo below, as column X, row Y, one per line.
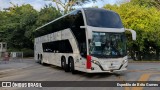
column 28, row 70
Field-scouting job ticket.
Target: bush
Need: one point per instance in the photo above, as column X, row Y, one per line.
column 13, row 50
column 27, row 52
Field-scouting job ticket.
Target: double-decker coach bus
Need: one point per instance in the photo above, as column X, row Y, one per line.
column 90, row 40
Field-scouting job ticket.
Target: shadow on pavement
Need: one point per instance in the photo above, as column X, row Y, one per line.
column 89, row 75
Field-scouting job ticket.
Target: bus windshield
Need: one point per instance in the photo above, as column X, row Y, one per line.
column 103, row 18
column 108, row 45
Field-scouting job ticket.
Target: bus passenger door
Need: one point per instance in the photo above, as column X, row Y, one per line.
column 80, row 36
column 83, row 53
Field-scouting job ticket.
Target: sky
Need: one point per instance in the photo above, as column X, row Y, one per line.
column 38, row 4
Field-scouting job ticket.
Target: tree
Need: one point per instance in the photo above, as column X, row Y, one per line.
column 146, row 22
column 67, row 5
column 18, row 23
column 47, row 14
column 18, row 20
column 2, row 21
column 147, row 3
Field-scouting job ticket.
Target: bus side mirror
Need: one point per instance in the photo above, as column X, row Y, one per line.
column 89, row 32
column 133, row 33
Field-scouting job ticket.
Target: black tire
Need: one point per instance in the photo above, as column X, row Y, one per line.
column 65, row 67
column 71, row 66
column 40, row 59
column 62, row 62
column 37, row 60
column 38, row 56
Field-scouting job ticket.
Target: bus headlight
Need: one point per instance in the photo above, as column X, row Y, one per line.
column 124, row 61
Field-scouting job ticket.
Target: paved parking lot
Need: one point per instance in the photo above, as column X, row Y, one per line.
column 28, row 70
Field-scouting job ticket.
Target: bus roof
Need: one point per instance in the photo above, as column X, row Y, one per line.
column 99, row 9
column 87, row 9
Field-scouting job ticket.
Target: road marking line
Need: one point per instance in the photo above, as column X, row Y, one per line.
column 122, row 79
column 144, row 77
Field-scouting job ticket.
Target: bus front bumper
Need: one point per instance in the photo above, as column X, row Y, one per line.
column 98, row 69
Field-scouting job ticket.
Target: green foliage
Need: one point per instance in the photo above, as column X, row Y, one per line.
column 147, row 3
column 13, row 50
column 66, row 6
column 27, row 52
column 47, row 14
column 145, row 20
column 18, row 23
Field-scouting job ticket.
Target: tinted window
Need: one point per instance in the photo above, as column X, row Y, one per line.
column 72, row 21
column 62, row 46
column 103, row 18
column 58, row 25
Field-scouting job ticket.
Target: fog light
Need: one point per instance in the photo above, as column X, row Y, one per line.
column 126, row 66
column 92, row 68
column 94, row 61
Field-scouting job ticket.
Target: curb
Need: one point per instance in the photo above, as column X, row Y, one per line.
column 144, row 62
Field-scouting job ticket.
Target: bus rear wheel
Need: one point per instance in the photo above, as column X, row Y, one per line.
column 62, row 62
column 40, row 59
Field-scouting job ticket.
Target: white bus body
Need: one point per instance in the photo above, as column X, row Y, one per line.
column 77, row 41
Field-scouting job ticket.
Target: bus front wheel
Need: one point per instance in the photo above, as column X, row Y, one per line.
column 64, row 65
column 71, row 66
